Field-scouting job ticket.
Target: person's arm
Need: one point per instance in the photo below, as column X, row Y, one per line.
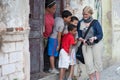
column 72, row 43
column 70, row 50
column 80, row 32
column 60, row 27
column 76, row 41
column 98, row 33
column 59, row 40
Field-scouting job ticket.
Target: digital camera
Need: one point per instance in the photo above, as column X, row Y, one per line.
column 88, row 42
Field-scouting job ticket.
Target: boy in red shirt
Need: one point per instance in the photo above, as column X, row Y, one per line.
column 67, row 42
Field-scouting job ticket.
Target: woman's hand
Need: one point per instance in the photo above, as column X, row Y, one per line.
column 84, row 42
column 92, row 39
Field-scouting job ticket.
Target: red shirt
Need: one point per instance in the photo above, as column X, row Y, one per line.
column 49, row 23
column 67, row 40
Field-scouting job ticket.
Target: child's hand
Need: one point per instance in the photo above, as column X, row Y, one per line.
column 76, row 41
column 58, row 48
column 81, row 39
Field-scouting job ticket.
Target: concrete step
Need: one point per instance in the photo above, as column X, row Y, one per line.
column 50, row 77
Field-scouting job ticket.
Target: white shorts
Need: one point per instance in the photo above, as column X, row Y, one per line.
column 73, row 56
column 64, row 59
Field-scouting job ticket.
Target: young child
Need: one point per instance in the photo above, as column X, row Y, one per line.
column 67, row 42
column 55, row 38
column 74, row 21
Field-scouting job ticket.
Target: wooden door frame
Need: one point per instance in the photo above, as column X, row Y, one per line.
column 62, row 6
column 40, row 32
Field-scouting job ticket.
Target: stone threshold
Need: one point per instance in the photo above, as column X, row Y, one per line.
column 44, row 76
column 50, row 77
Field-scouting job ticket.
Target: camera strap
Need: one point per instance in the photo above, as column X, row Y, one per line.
column 87, row 32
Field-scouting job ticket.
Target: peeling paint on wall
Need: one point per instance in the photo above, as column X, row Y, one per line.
column 76, row 7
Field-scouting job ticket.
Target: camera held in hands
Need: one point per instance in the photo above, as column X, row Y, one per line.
column 88, row 42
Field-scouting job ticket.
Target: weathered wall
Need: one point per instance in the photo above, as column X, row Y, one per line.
column 14, row 12
column 76, row 7
column 116, row 31
column 14, row 31
column 107, row 29
column 110, row 22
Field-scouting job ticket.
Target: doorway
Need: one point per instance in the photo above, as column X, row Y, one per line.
column 37, row 9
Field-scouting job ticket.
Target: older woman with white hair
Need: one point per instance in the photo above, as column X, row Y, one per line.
column 92, row 44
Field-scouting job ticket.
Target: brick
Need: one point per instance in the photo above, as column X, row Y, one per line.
column 8, row 69
column 3, row 59
column 8, row 47
column 10, row 29
column 15, row 56
column 17, row 75
column 8, row 38
column 19, row 46
column 19, row 66
column 4, row 78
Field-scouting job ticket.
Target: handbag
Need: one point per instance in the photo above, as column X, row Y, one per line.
column 79, row 53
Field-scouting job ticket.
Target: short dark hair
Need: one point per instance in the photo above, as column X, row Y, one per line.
column 71, row 27
column 74, row 18
column 49, row 3
column 66, row 14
